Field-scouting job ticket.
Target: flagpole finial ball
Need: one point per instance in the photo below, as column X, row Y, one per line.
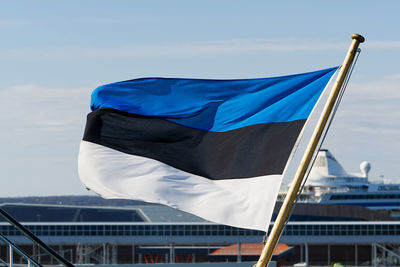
column 358, row 37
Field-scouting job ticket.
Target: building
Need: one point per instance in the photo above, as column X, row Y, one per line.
column 318, row 234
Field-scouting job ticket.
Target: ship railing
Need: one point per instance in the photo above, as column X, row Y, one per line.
column 386, row 258
column 52, row 253
column 11, row 249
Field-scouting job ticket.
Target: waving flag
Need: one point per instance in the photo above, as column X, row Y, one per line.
column 214, row 148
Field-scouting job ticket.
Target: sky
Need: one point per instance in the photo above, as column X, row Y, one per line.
column 54, row 53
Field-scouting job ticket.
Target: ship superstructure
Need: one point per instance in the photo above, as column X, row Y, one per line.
column 329, row 183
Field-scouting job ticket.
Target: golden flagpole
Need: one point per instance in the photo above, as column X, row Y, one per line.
column 287, row 205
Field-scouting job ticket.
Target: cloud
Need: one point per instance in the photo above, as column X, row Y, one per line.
column 383, row 45
column 182, row 49
column 372, row 107
column 43, row 109
column 366, row 107
column 367, row 126
column 43, row 127
column 395, row 76
column 165, row 50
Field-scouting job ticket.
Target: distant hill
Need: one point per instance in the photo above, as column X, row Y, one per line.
column 73, row 200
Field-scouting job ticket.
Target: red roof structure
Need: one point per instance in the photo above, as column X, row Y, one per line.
column 249, row 249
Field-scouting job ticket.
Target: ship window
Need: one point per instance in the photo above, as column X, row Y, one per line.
column 228, row 230
column 388, row 187
column 309, row 230
column 134, row 229
column 187, row 229
column 391, row 229
column 378, row 229
column 364, row 229
column 371, row 229
column 235, row 231
column 181, row 229
column 329, row 230
column 333, row 197
column 323, row 230
column 336, row 229
column 287, row 231
column 195, row 232
column 154, row 230
column 343, row 229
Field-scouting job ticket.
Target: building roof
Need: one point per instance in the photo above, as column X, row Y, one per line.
column 331, row 212
column 160, row 213
column 61, row 213
column 68, row 213
column 163, row 214
column 250, row 249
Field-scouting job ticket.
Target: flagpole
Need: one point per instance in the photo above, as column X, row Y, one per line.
column 287, row 205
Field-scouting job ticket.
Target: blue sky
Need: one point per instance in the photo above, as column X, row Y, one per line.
column 54, row 53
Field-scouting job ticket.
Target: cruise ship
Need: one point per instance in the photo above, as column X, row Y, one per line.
column 329, row 183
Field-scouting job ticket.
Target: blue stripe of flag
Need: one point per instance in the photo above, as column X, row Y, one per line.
column 217, row 105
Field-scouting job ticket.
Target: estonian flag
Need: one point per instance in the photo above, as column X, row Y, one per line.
column 214, row 148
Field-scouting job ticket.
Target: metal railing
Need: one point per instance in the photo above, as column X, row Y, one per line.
column 52, row 253
column 11, row 249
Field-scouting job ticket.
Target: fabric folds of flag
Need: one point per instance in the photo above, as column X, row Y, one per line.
column 214, row 148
